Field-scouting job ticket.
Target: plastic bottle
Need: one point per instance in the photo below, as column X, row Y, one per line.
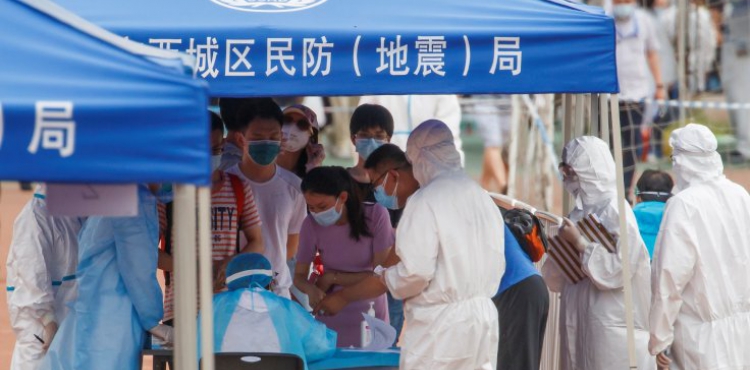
column 365, row 332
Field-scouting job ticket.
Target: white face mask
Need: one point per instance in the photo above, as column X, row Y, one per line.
column 573, row 185
column 293, row 139
column 329, row 216
column 215, row 162
column 623, row 11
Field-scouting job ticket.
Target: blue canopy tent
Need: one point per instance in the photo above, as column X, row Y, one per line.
column 348, row 47
column 80, row 105
column 335, row 47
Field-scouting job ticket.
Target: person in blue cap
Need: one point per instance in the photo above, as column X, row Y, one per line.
column 248, row 307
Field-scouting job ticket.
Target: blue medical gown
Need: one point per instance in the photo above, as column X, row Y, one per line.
column 649, row 215
column 264, row 322
column 118, row 298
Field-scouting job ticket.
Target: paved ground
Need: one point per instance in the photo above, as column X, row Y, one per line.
column 12, row 200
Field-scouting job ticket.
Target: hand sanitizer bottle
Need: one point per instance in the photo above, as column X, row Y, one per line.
column 365, row 332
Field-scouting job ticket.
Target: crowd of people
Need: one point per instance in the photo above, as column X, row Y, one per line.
column 300, row 251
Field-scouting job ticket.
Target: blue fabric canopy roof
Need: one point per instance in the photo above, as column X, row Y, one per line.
column 355, row 47
column 76, row 107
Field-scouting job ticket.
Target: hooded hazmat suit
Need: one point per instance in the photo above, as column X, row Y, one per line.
column 450, row 241
column 701, row 267
column 592, row 315
column 118, row 298
column 41, row 276
column 248, row 308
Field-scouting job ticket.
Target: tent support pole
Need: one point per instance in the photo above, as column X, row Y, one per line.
column 578, row 123
column 682, row 25
column 205, row 271
column 604, row 117
column 549, row 122
column 623, row 243
column 567, row 136
column 594, row 115
column 185, row 294
column 515, row 124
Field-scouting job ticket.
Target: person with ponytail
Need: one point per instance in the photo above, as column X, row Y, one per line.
column 352, row 238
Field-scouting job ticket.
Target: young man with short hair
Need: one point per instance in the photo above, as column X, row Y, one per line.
column 233, row 213
column 282, row 208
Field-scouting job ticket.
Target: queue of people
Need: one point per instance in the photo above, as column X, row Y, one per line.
column 399, row 228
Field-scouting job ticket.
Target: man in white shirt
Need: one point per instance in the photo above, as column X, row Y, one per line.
column 637, row 67
column 411, row 110
column 277, row 191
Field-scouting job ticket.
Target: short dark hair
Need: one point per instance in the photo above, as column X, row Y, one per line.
column 216, row 122
column 263, row 108
column 230, row 107
column 371, row 116
column 658, row 184
column 387, row 154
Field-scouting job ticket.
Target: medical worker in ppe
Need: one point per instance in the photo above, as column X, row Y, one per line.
column 451, row 250
column 248, row 307
column 592, row 315
column 700, row 279
column 119, row 298
column 41, row 278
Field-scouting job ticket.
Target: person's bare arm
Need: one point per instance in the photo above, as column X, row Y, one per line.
column 333, row 277
column 392, row 259
column 653, row 65
column 345, row 279
column 165, row 261
column 370, row 287
column 254, row 240
column 292, row 244
column 379, row 258
column 301, row 272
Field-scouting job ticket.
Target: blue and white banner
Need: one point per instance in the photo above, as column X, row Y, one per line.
column 354, row 47
column 75, row 108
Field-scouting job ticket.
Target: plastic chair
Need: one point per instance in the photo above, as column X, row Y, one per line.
column 258, row 361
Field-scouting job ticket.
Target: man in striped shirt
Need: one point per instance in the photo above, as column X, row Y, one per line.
column 233, row 210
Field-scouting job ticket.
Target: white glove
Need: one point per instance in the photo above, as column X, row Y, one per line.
column 163, row 332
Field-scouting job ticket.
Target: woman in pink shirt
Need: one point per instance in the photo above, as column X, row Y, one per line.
column 352, row 238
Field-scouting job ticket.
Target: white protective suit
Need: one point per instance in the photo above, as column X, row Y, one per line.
column 452, row 259
column 41, row 276
column 592, row 315
column 701, row 273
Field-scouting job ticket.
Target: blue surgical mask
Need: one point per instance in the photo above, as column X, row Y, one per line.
column 327, row 217
column 365, row 147
column 385, row 200
column 165, row 194
column 623, row 11
column 264, row 152
column 215, row 162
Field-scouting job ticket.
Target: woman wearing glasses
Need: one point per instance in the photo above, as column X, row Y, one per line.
column 300, row 151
